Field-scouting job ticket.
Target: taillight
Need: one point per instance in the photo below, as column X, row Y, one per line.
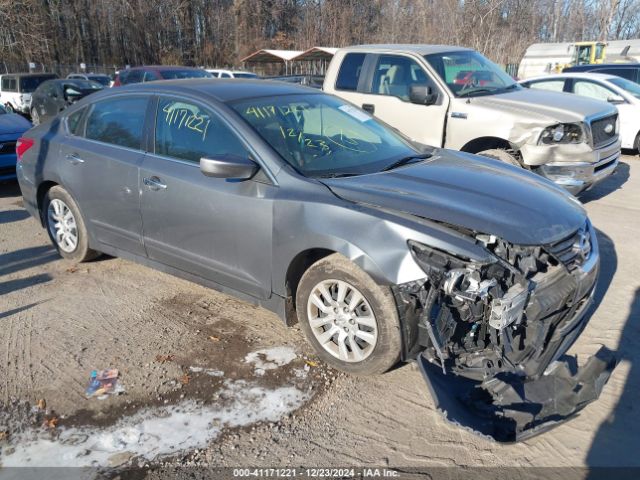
column 22, row 145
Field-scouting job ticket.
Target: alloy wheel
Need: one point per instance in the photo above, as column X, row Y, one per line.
column 342, row 320
column 62, row 225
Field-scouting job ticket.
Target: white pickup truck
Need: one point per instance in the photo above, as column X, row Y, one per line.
column 455, row 98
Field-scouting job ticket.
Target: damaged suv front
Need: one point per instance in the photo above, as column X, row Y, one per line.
column 498, row 328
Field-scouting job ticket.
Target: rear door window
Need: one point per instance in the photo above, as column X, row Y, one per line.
column 549, row 85
column 350, row 70
column 134, row 76
column 150, row 76
column 9, row 84
column 118, row 121
column 186, row 131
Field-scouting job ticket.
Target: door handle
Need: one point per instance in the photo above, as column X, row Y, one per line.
column 154, row 183
column 369, row 107
column 74, row 159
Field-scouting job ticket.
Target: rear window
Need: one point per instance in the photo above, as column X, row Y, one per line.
column 627, row 73
column 29, row 84
column 118, row 121
column 9, row 84
column 187, row 73
column 349, row 74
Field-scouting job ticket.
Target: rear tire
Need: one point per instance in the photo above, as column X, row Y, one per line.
column 502, row 155
column 66, row 226
column 9, row 108
column 636, row 144
column 361, row 314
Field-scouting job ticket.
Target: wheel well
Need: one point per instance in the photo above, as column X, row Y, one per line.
column 300, row 263
column 481, row 144
column 43, row 188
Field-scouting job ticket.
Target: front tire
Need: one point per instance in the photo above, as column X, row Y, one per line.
column 9, row 108
column 502, row 155
column 66, row 226
column 351, row 321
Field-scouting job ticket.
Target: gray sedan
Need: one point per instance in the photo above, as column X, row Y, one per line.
column 382, row 249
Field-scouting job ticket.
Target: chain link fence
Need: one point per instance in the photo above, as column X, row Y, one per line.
column 62, row 70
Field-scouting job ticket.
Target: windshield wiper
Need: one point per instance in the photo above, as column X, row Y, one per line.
column 405, row 161
column 338, row 175
column 476, row 90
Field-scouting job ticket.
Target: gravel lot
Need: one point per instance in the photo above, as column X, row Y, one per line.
column 59, row 321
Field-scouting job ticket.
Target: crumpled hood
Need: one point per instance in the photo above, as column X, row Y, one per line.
column 13, row 123
column 545, row 105
column 474, row 192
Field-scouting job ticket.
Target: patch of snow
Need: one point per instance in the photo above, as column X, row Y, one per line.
column 270, row 358
column 154, row 433
column 212, row 372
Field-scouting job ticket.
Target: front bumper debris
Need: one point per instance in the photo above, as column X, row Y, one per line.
column 491, row 338
column 509, row 408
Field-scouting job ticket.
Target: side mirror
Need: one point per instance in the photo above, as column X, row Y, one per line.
column 422, row 95
column 228, row 166
column 615, row 99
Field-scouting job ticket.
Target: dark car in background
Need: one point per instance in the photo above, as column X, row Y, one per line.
column 12, row 126
column 102, row 79
column 153, row 73
column 314, row 81
column 630, row 71
column 53, row 96
column 16, row 89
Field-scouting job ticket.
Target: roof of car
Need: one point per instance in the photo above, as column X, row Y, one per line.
column 89, row 74
column 160, row 67
column 595, row 66
column 420, row 49
column 224, row 90
column 587, row 75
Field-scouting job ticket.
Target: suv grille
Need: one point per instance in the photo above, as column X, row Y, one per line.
column 7, row 147
column 603, row 130
column 573, row 250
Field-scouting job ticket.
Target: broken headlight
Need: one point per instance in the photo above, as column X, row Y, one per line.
column 562, row 133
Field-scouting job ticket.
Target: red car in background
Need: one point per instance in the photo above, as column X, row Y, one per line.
column 161, row 72
column 473, row 77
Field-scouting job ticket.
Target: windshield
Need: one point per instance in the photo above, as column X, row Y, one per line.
column 628, row 86
column 469, row 74
column 177, row 74
column 320, row 135
column 101, row 79
column 29, row 84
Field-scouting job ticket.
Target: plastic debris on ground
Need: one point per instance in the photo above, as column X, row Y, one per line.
column 103, row 383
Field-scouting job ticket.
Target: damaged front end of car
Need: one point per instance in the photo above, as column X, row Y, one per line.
column 490, row 337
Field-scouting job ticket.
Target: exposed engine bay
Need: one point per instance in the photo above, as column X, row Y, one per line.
column 498, row 330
